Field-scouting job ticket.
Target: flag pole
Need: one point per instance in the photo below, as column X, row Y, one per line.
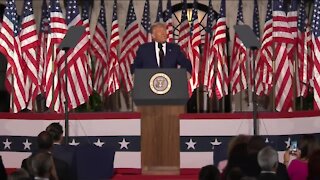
column 254, row 98
column 12, row 91
column 295, row 71
column 295, row 82
column 241, row 92
column 66, row 112
column 88, row 106
column 198, row 99
column 52, row 73
column 273, row 87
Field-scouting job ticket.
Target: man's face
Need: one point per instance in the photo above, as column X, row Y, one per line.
column 159, row 34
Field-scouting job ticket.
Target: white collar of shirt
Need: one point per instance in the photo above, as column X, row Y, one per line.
column 40, row 178
column 164, row 45
column 271, row 172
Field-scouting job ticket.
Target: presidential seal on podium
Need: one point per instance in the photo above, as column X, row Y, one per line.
column 160, row 83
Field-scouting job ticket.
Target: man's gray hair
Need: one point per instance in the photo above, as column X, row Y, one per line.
column 268, row 159
column 157, row 24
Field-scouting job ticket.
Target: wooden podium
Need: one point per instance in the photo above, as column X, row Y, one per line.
column 160, row 108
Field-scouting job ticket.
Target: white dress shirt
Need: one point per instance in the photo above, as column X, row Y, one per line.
column 157, row 51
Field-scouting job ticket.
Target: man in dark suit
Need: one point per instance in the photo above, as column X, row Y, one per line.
column 268, row 161
column 62, row 151
column 59, row 150
column 160, row 54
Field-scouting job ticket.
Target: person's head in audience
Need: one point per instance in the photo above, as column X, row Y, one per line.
column 268, row 159
column 42, row 165
column 56, row 131
column 237, row 159
column 235, row 174
column 237, row 140
column 209, row 172
column 314, row 166
column 44, row 141
column 255, row 144
column 307, row 145
column 19, row 174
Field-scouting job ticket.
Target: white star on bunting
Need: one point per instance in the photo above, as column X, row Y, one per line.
column 267, row 140
column 215, row 143
column 7, row 144
column 191, row 144
column 27, row 144
column 124, row 144
column 73, row 143
column 99, row 143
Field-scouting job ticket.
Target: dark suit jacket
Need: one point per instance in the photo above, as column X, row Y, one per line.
column 146, row 57
column 62, row 152
column 268, row 176
column 282, row 172
column 66, row 154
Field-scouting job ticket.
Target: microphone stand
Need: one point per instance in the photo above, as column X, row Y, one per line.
column 66, row 112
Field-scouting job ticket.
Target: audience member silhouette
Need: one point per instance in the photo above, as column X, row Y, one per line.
column 59, row 150
column 268, row 161
column 233, row 142
column 298, row 168
column 45, row 144
column 209, row 172
column 235, row 174
column 19, row 174
column 237, row 159
column 62, row 151
column 314, row 166
column 255, row 144
column 3, row 174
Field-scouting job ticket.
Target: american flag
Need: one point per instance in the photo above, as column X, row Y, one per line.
column 10, row 47
column 283, row 74
column 168, row 19
column 264, row 65
column 238, row 81
column 29, row 44
column 55, row 56
column 316, row 54
column 207, row 58
column 303, row 52
column 113, row 71
column 129, row 45
column 194, row 52
column 184, row 31
column 252, row 54
column 219, row 46
column 100, row 50
column 145, row 34
column 78, row 91
column 43, row 38
column 86, row 23
column 159, row 12
column 292, row 17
